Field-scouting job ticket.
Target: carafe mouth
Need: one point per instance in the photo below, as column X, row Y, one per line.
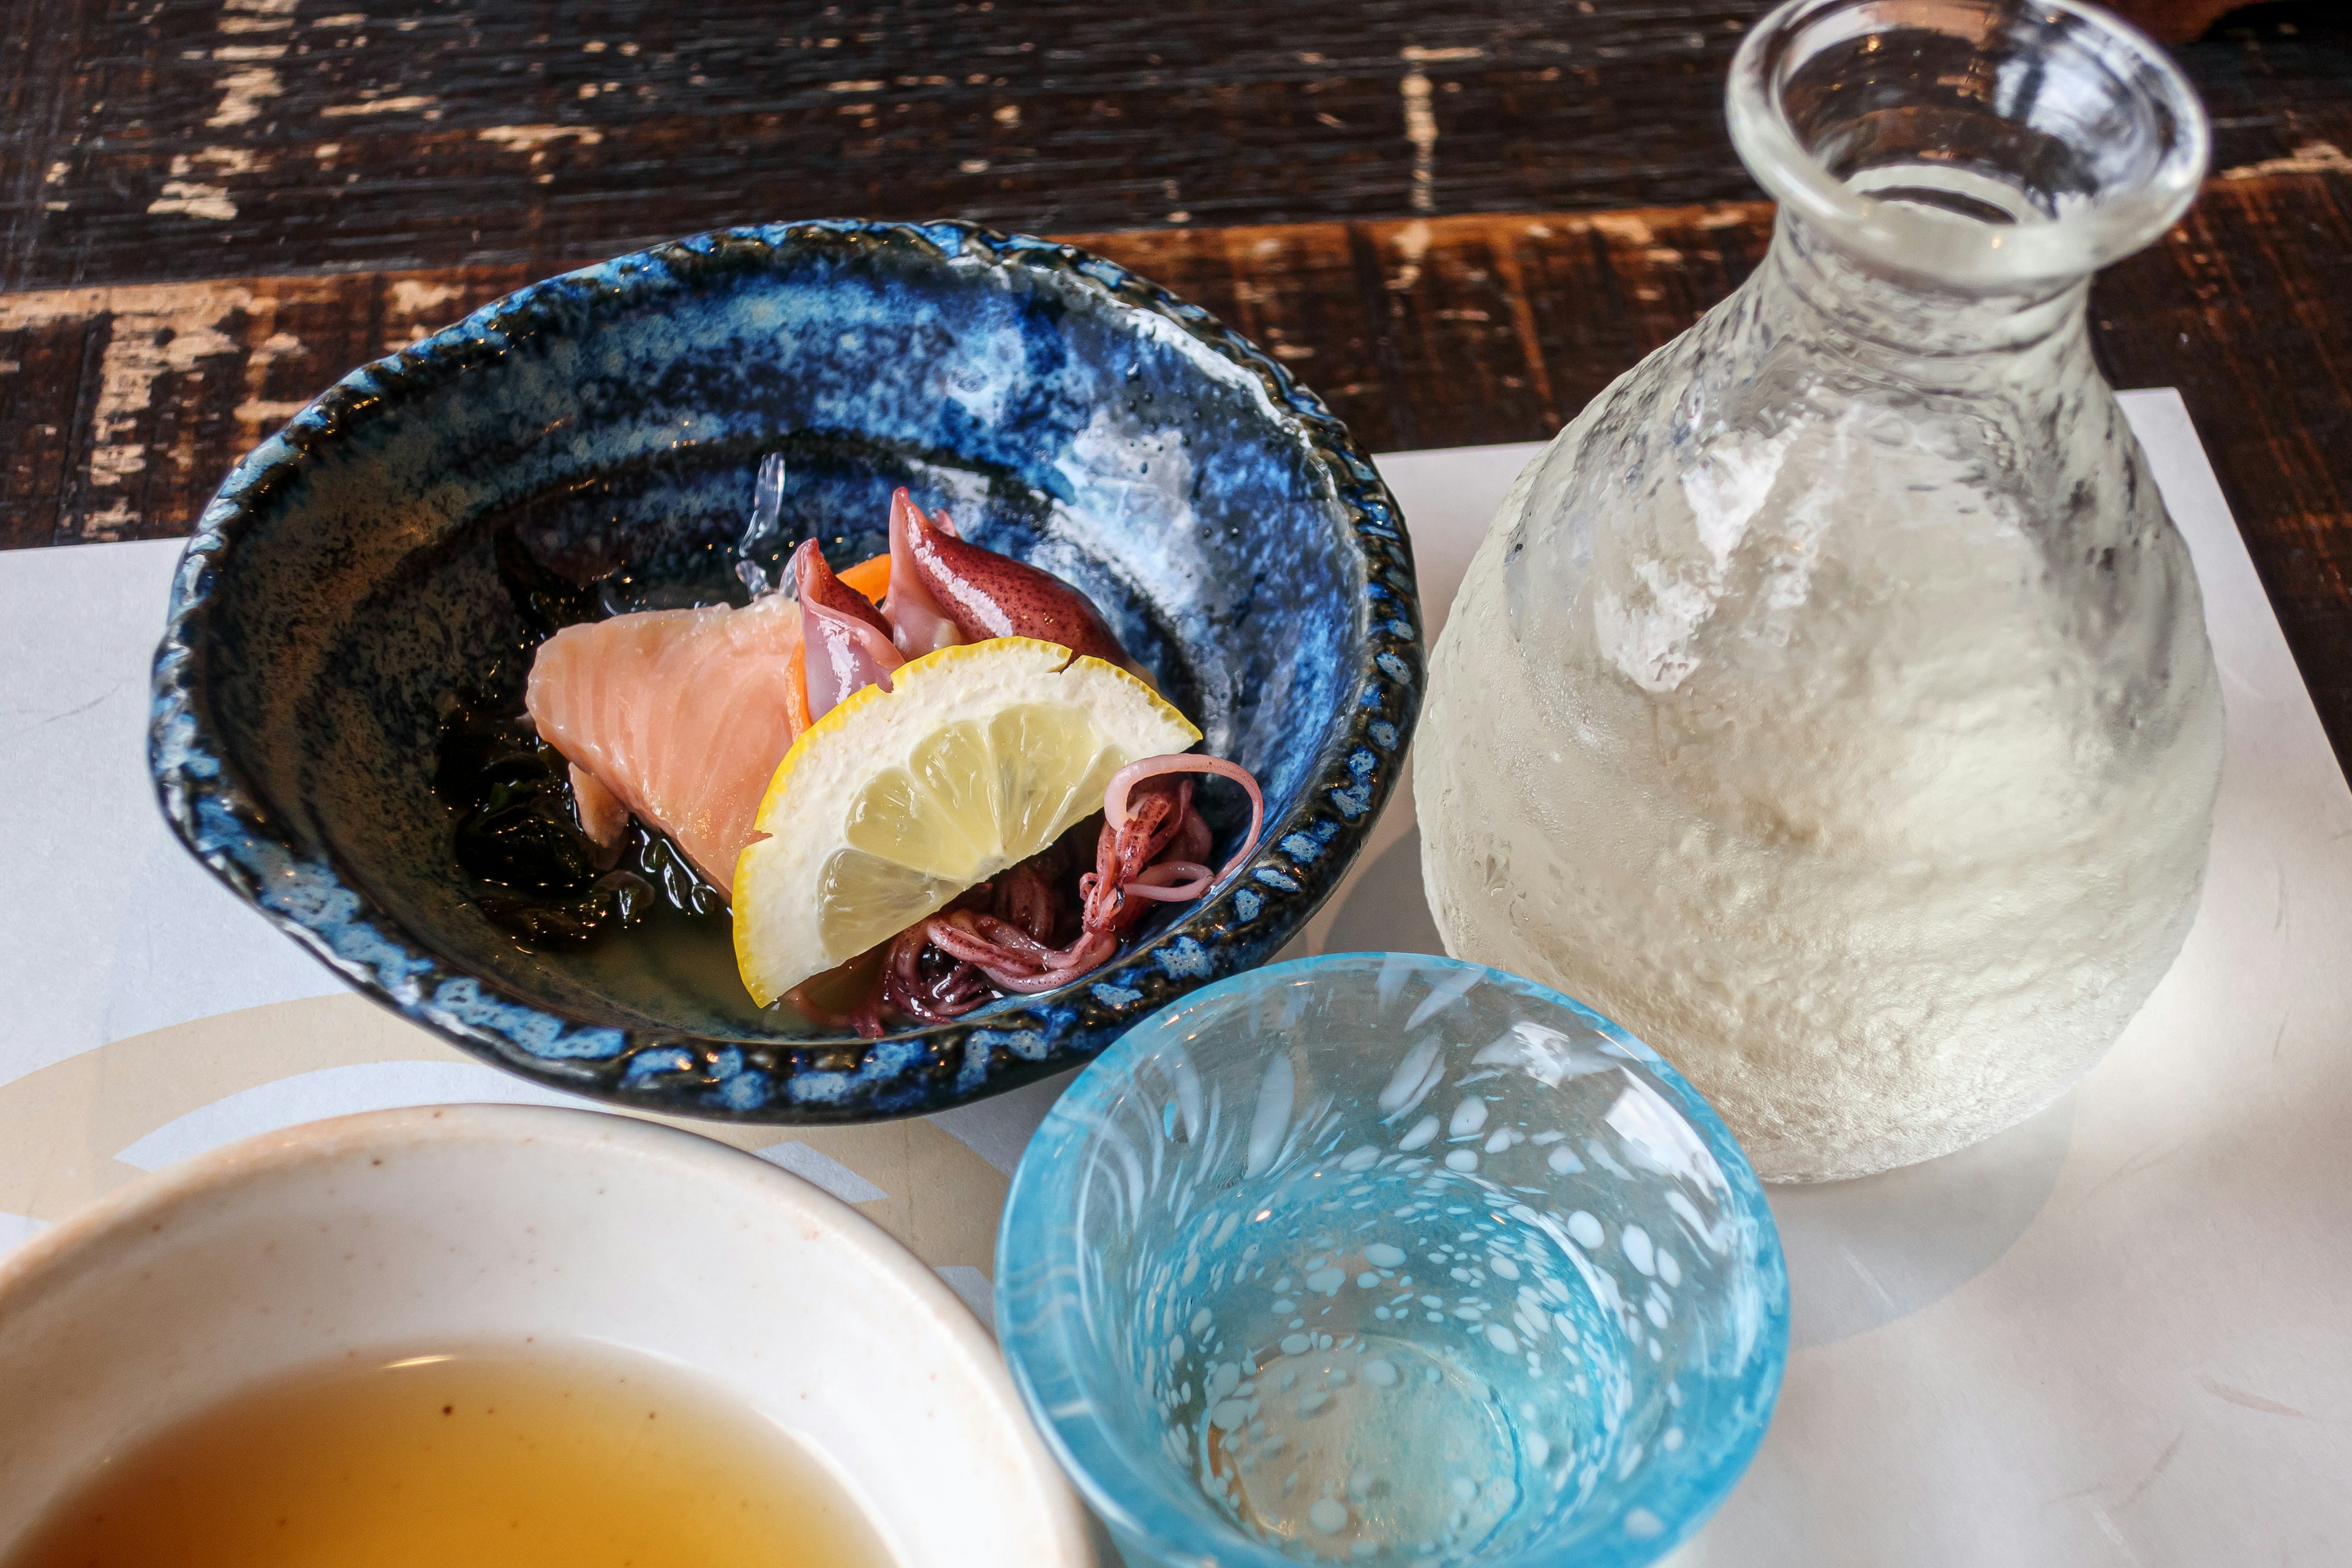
column 1984, row 145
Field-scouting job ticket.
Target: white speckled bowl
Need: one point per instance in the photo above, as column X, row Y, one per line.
column 472, row 1224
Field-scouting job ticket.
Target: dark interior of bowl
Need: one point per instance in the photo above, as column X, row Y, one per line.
column 606, row 426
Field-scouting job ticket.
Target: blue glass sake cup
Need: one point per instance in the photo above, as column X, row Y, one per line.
column 1387, row 1260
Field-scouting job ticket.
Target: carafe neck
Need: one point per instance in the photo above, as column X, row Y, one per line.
column 1960, row 167
column 1854, row 307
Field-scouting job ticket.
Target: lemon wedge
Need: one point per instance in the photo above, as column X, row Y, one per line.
column 977, row 758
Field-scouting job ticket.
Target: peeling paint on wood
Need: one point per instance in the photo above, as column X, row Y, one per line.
column 126, row 405
column 1456, row 223
column 2311, row 158
column 390, row 135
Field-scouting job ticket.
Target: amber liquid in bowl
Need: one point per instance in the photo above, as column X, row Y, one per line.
column 485, row 1458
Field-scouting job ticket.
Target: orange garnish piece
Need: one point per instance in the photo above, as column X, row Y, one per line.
column 796, row 713
column 871, row 578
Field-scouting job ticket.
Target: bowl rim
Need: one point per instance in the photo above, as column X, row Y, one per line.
column 229, row 824
column 123, row 1219
column 1038, row 1327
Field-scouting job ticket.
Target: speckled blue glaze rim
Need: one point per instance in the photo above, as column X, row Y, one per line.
column 226, row 824
column 1040, row 1316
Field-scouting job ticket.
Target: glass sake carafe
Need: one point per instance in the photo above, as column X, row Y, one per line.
column 1830, row 702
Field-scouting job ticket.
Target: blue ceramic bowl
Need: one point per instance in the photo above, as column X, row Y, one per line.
column 368, row 563
column 1412, row 1260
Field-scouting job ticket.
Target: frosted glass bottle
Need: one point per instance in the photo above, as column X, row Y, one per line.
column 1830, row 702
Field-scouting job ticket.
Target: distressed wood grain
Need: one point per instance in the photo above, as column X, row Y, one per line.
column 1456, row 223
column 166, row 139
column 130, row 402
column 122, row 407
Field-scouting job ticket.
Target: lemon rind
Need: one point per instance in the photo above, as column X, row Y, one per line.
column 917, row 674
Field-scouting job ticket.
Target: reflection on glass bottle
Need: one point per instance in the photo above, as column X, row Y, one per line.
column 1864, row 730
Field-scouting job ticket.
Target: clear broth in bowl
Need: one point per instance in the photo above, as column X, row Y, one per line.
column 498, row 1458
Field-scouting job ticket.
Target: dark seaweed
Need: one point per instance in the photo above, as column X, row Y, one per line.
column 518, row 839
column 547, row 600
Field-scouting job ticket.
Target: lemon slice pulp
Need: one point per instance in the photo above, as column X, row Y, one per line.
column 888, row 807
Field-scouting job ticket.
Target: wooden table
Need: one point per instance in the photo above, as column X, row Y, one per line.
column 1456, row 222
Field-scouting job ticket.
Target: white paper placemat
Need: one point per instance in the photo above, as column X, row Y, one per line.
column 2117, row 1335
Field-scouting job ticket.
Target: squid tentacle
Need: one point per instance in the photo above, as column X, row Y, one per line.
column 1125, row 848
column 1170, row 881
column 1119, row 803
